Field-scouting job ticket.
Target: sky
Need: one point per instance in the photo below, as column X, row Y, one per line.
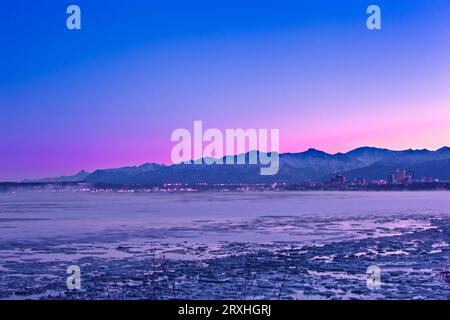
column 111, row 94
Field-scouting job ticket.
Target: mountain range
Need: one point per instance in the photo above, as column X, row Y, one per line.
column 79, row 177
column 311, row 165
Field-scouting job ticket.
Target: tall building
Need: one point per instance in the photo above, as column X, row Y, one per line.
column 391, row 179
column 339, row 179
column 401, row 176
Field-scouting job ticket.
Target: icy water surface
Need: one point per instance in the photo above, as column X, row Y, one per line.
column 284, row 245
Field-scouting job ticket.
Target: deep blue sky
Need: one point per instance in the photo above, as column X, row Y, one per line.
column 111, row 93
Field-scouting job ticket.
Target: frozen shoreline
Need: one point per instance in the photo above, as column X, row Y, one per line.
column 310, row 246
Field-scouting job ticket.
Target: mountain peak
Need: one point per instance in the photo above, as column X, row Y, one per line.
column 312, row 151
column 416, row 151
column 150, row 166
column 366, row 149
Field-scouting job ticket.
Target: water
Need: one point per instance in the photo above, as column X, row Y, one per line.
column 272, row 245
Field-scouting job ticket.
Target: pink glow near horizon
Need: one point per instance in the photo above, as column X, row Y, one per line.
column 327, row 136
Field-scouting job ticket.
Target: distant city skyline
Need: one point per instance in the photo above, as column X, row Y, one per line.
column 110, row 94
